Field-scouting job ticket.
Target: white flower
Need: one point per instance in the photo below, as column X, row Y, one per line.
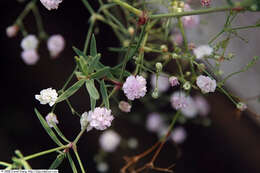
column 109, row 140
column 163, row 83
column 102, row 167
column 55, row 44
column 134, row 87
column 47, row 96
column 202, row 105
column 190, row 110
column 203, row 50
column 51, row 119
column 51, row 4
column 179, row 100
column 154, row 122
column 29, row 42
column 206, row 84
column 124, row 106
column 11, row 31
column 30, row 57
column 178, row 135
column 100, row 118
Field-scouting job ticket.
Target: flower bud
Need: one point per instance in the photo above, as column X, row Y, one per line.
column 158, row 66
column 164, row 48
column 11, row 31
column 155, row 93
column 241, row 106
column 124, row 106
column 131, row 30
column 187, row 85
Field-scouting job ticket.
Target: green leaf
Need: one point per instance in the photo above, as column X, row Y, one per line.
column 72, row 164
column 70, row 91
column 93, row 103
column 79, row 53
column 93, row 92
column 103, row 90
column 100, row 73
column 47, row 128
column 93, row 63
column 82, row 64
column 93, row 47
column 56, row 163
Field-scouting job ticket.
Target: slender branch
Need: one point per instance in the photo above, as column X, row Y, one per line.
column 79, row 160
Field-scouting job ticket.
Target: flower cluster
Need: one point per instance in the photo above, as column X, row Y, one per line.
column 206, row 84
column 30, row 44
column 134, row 87
column 47, row 96
column 51, row 4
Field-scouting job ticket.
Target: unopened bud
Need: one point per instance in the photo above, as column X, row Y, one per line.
column 164, row 48
column 187, row 85
column 158, row 66
column 155, row 93
column 131, row 30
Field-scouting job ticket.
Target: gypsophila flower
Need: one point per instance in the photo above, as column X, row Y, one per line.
column 241, row 106
column 29, row 42
column 30, row 57
column 190, row 21
column 84, row 121
column 173, row 81
column 109, row 140
column 202, row 105
column 177, row 39
column 11, row 31
column 51, row 4
column 47, row 96
column 206, row 84
column 55, row 44
column 187, row 85
column 102, row 167
column 179, row 135
column 203, row 50
column 163, row 83
column 134, row 87
column 190, row 110
column 179, row 100
column 205, row 3
column 99, row 119
column 154, row 122
column 51, row 119
column 124, row 106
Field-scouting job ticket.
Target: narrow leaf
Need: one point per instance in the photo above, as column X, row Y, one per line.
column 93, row 92
column 72, row 164
column 93, row 47
column 79, row 52
column 103, row 90
column 56, row 163
column 47, row 128
column 92, row 103
column 70, row 91
column 101, row 73
column 93, row 63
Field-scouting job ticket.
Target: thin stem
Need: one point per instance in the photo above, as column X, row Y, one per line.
column 88, row 36
column 26, row 10
column 69, row 79
column 5, row 164
column 87, row 5
column 243, row 27
column 79, row 135
column 79, row 160
column 214, row 38
column 44, row 152
column 128, row 7
column 38, row 18
column 183, row 34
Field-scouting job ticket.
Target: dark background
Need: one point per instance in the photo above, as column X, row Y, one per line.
column 231, row 144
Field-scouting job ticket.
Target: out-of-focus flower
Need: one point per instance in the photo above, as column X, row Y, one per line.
column 109, row 140
column 179, row 100
column 84, row 121
column 190, row 21
column 203, row 50
column 163, row 83
column 177, row 39
column 11, row 31
column 51, row 4
column 51, row 119
column 124, row 106
column 30, row 57
column 102, row 167
column 173, row 81
column 241, row 106
column 190, row 110
column 99, row 119
column 47, row 96
column 135, row 87
column 206, row 84
column 205, row 3
column 179, row 135
column 29, row 42
column 132, row 143
column 55, row 44
column 154, row 122
column 202, row 105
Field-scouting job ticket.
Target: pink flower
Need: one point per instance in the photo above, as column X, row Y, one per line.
column 55, row 44
column 190, row 21
column 100, row 118
column 51, row 4
column 202, row 50
column 124, row 106
column 205, row 3
column 190, row 110
column 206, row 84
column 51, row 119
column 179, row 100
column 154, row 122
column 162, row 85
column 202, row 105
column 173, row 81
column 179, row 135
column 30, row 57
column 11, row 31
column 177, row 39
column 134, row 87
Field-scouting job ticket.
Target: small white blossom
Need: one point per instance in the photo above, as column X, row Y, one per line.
column 206, row 84
column 109, row 140
column 163, row 83
column 29, row 42
column 47, row 96
column 173, row 81
column 51, row 4
column 203, row 50
column 51, row 119
column 30, row 57
column 124, row 106
column 11, row 31
column 135, row 87
column 178, row 100
column 202, row 105
column 179, row 135
column 241, row 106
column 190, row 110
column 154, row 122
column 102, row 167
column 55, row 44
column 99, row 119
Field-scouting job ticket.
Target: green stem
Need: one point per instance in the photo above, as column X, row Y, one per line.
column 128, row 7
column 38, row 18
column 5, row 164
column 79, row 160
column 88, row 36
column 44, row 152
column 87, row 5
column 214, row 38
column 242, row 27
column 183, row 33
column 26, row 10
column 79, row 135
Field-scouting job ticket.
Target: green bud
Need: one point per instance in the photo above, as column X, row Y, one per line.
column 174, row 56
column 187, row 85
column 158, row 66
column 155, row 93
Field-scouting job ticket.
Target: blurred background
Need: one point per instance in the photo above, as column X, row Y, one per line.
column 230, row 144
